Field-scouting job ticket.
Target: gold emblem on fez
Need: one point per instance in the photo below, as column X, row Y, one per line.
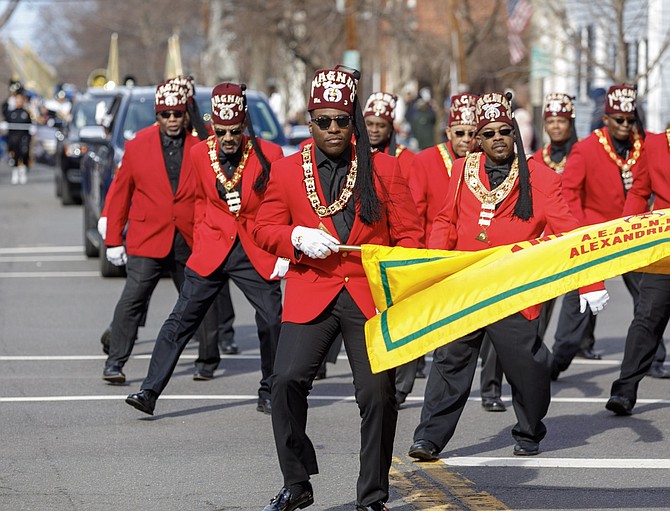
column 332, row 95
column 491, row 111
column 226, row 112
column 467, row 115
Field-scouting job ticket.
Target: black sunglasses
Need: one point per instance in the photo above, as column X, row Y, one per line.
column 620, row 120
column 461, row 133
column 235, row 132
column 167, row 115
column 324, row 122
column 504, row 132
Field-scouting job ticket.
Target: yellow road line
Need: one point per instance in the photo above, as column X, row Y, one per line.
column 432, row 486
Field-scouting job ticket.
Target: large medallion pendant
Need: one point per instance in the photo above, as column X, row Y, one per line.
column 234, row 202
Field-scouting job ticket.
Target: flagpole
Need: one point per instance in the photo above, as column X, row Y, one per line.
column 350, row 248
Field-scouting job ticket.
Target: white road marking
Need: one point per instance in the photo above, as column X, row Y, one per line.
column 40, row 250
column 543, row 462
column 43, row 258
column 48, row 274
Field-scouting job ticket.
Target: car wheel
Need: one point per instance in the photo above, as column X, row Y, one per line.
column 89, row 248
column 107, row 269
column 67, row 197
column 58, row 180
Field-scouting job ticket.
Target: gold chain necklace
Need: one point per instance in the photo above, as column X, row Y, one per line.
column 556, row 166
column 346, row 193
column 232, row 195
column 446, row 157
column 399, row 149
column 667, row 137
column 624, row 166
column 488, row 198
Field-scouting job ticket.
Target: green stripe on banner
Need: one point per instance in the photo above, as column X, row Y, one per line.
column 391, row 345
column 383, row 265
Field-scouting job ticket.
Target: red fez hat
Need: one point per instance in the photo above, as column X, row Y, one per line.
column 557, row 104
column 381, row 104
column 188, row 83
column 333, row 88
column 228, row 104
column 462, row 110
column 170, row 96
column 620, row 99
column 493, row 107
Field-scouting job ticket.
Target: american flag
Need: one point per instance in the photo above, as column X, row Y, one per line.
column 519, row 13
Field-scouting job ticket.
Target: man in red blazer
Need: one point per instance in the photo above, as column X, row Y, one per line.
column 231, row 173
column 652, row 310
column 596, row 179
column 496, row 198
column 329, row 193
column 154, row 194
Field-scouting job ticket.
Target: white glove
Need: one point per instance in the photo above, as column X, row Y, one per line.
column 102, row 226
column 281, row 267
column 596, row 300
column 314, row 243
column 117, row 255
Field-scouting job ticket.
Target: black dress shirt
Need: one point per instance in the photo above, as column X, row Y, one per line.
column 173, row 153
column 333, row 176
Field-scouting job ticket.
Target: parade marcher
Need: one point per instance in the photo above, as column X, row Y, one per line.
column 652, row 310
column 496, row 198
column 595, row 180
column 379, row 114
column 153, row 193
column 231, row 172
column 559, row 125
column 332, row 192
column 19, row 137
column 429, row 184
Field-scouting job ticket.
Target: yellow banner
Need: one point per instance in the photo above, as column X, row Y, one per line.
column 428, row 298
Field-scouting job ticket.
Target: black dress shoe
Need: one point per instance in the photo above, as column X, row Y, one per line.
column 619, row 405
column 321, row 373
column 423, row 450
column 420, row 373
column 144, row 401
column 400, row 398
column 494, row 404
column 555, row 371
column 200, row 375
column 113, row 374
column 104, row 340
column 264, row 405
column 230, row 348
column 588, row 354
column 286, row 501
column 376, row 506
column 658, row 371
column 526, row 449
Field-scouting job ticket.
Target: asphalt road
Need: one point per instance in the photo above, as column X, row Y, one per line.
column 69, row 442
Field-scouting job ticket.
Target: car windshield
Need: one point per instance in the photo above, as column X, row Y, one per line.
column 84, row 112
column 141, row 113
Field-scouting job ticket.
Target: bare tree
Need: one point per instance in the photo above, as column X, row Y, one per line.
column 615, row 21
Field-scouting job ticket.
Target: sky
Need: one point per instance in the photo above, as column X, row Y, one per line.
column 22, row 24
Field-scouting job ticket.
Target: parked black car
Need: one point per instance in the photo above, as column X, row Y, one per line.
column 69, row 148
column 131, row 110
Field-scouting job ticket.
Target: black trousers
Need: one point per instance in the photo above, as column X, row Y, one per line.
column 651, row 317
column 143, row 275
column 490, row 379
column 196, row 297
column 575, row 330
column 301, row 349
column 525, row 361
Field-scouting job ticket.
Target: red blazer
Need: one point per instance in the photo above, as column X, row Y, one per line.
column 592, row 184
column 216, row 228
column 141, row 195
column 653, row 176
column 311, row 284
column 456, row 226
column 428, row 183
